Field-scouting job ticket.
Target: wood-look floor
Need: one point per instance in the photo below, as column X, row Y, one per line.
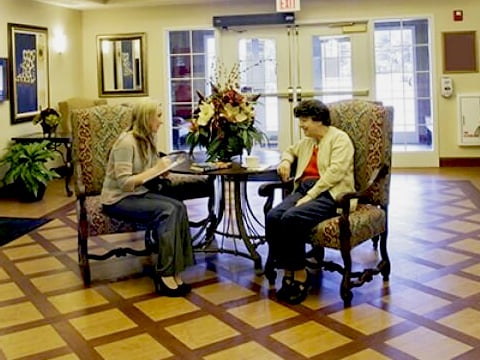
column 430, row 309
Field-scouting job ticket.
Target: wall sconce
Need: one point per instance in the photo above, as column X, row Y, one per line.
column 59, row 42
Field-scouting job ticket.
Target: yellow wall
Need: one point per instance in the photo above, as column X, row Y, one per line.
column 65, row 69
column 155, row 21
column 74, row 73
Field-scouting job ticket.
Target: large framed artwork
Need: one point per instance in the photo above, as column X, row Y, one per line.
column 28, row 70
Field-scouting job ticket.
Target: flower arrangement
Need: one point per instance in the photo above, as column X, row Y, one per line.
column 49, row 119
column 224, row 122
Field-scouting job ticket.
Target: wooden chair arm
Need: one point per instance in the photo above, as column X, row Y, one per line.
column 343, row 199
column 268, row 190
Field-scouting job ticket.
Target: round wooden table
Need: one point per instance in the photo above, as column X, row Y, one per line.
column 235, row 226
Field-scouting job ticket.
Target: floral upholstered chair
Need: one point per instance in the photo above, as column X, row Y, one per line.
column 94, row 130
column 369, row 125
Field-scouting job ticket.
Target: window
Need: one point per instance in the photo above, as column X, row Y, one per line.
column 191, row 63
column 403, row 80
column 332, row 66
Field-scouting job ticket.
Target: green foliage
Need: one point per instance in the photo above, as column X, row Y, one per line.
column 27, row 163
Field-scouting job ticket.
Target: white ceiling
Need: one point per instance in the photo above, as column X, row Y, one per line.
column 105, row 4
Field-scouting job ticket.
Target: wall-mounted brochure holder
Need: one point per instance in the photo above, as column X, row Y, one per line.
column 469, row 120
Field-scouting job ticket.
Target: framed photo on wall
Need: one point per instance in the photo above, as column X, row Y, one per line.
column 3, row 79
column 28, row 71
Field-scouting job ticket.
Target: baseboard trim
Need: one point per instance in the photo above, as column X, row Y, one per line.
column 459, row 162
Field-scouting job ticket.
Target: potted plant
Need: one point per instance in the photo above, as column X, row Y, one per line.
column 27, row 169
column 49, row 119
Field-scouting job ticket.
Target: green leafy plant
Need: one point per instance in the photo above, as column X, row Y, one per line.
column 48, row 116
column 27, row 165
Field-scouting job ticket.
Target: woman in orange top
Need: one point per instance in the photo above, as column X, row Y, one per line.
column 324, row 169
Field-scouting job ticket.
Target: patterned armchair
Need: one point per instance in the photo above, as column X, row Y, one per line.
column 94, row 131
column 370, row 128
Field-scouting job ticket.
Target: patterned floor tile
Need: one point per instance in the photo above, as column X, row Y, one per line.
column 10, row 291
column 415, row 301
column 137, row 347
column 161, row 308
column 466, row 321
column 23, row 252
column 223, row 292
column 40, row 265
column 59, row 281
column 102, row 323
column 455, row 285
column 77, row 300
column 310, row 338
column 366, row 318
column 133, row 287
column 262, row 313
column 20, row 313
column 30, row 342
column 202, row 331
column 250, row 350
column 433, row 345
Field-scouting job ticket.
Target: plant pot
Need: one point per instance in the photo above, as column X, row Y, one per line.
column 24, row 195
column 48, row 130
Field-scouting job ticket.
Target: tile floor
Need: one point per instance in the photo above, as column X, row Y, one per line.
column 430, row 309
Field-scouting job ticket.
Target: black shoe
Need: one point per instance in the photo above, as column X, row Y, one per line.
column 282, row 294
column 186, row 288
column 162, row 289
column 297, row 292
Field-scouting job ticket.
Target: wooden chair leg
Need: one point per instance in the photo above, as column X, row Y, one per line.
column 346, row 284
column 384, row 265
column 269, row 270
column 83, row 261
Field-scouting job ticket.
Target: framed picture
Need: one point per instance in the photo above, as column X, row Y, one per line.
column 459, row 52
column 28, row 70
column 3, row 79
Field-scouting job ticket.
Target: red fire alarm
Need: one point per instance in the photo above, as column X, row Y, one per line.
column 457, row 15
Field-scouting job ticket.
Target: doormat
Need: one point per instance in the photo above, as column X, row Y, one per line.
column 13, row 228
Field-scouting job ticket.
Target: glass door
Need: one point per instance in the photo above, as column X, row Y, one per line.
column 288, row 64
column 265, row 60
column 339, row 61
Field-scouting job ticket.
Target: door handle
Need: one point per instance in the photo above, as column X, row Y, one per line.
column 299, row 93
column 290, row 94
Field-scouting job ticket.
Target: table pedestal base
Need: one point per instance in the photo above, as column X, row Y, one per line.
column 235, row 227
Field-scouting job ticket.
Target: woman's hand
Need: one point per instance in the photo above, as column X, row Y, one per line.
column 283, row 170
column 303, row 200
column 163, row 163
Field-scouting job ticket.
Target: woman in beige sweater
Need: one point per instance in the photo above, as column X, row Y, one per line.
column 324, row 169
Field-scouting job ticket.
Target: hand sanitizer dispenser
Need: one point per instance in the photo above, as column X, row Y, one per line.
column 446, row 84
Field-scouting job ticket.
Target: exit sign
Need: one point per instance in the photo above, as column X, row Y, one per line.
column 288, row 5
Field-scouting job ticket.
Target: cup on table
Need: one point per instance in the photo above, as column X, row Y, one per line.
column 252, row 161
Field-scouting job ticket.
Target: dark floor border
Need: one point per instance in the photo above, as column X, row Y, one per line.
column 459, row 162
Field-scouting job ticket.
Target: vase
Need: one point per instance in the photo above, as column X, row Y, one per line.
column 48, row 130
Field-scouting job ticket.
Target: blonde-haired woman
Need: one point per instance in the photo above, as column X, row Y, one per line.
column 133, row 159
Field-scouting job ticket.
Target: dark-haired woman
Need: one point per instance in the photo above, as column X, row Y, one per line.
column 324, row 169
